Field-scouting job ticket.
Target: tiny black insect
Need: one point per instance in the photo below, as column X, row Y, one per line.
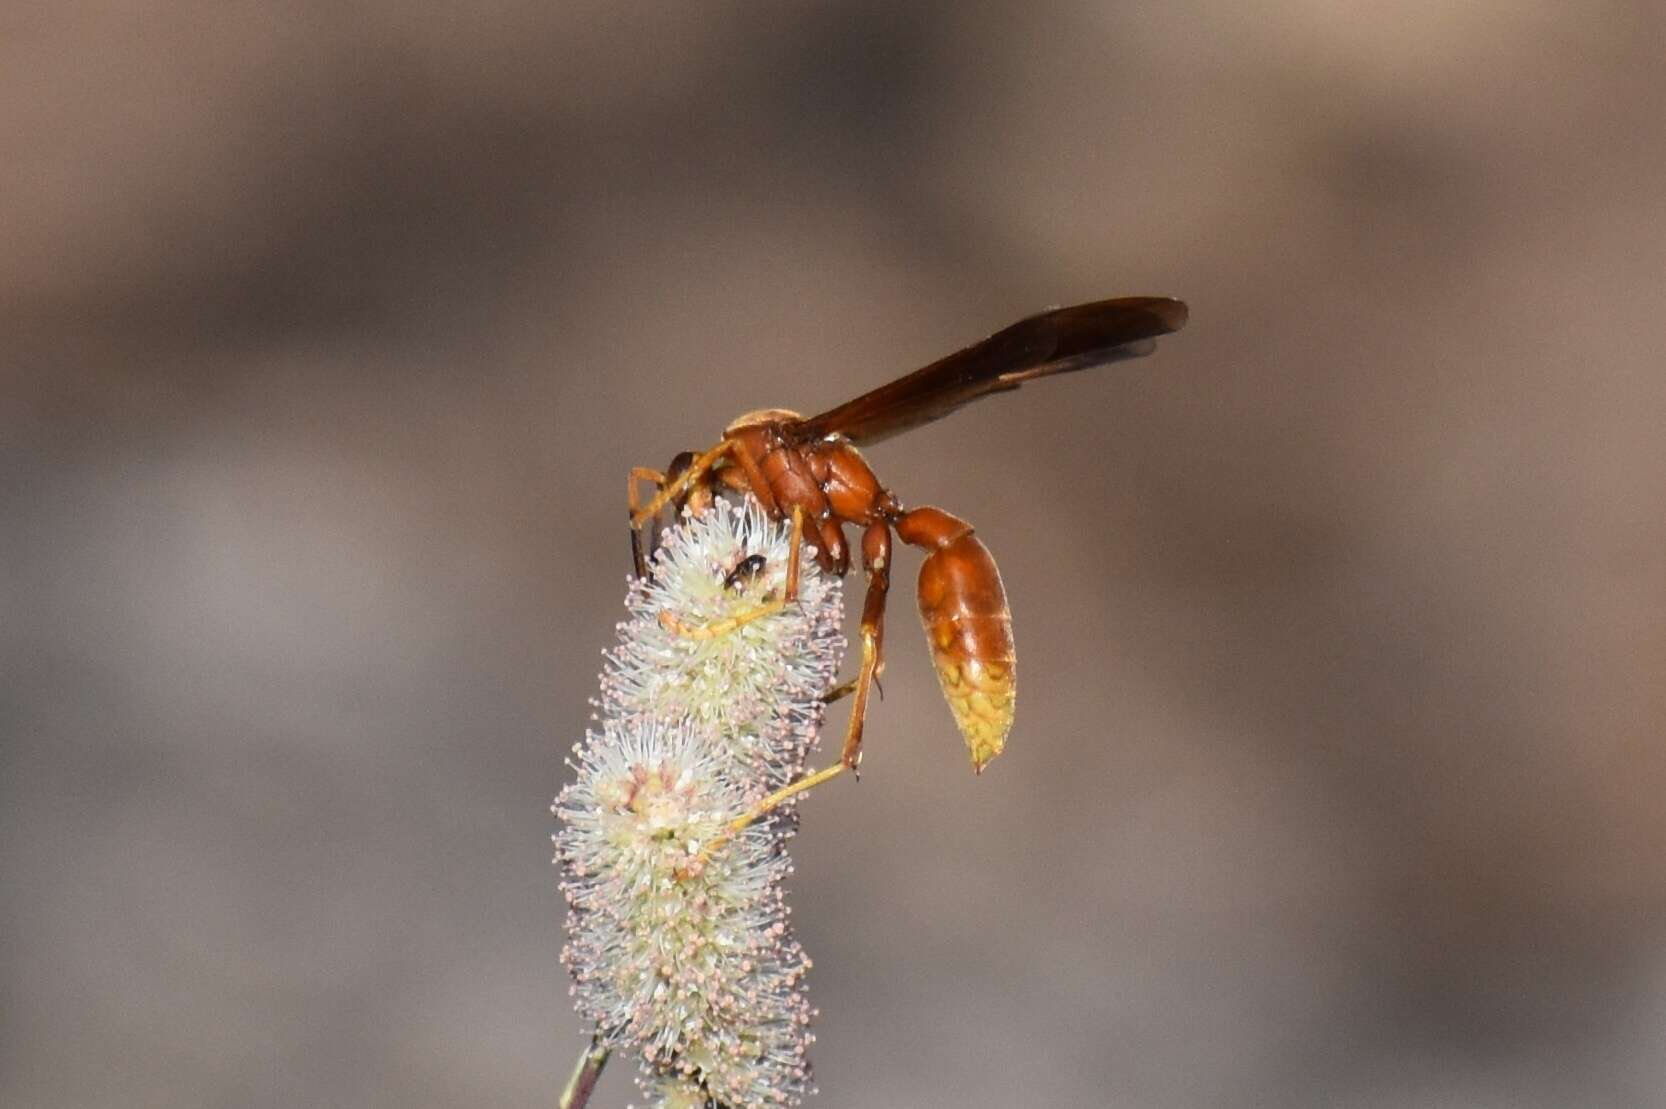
column 746, row 572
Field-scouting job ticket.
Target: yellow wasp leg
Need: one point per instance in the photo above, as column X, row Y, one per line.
column 667, row 493
column 761, row 809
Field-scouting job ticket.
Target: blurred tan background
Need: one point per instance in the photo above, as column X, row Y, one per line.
column 329, row 332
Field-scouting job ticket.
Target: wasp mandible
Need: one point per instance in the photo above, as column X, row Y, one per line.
column 811, row 471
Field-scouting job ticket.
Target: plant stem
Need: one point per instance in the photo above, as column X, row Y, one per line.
column 585, row 1076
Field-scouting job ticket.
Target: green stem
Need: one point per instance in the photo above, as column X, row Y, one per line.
column 585, row 1076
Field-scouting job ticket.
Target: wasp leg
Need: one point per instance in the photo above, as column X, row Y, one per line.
column 756, row 812
column 639, row 474
column 698, row 497
column 694, row 499
column 675, row 487
column 789, row 593
column 839, row 692
column 876, row 560
column 845, row 689
column 776, row 800
column 833, row 553
column 736, row 480
column 756, row 483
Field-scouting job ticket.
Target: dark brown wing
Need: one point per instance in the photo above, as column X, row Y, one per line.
column 1060, row 341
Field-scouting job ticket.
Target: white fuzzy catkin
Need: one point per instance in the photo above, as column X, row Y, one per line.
column 756, row 691
column 694, row 966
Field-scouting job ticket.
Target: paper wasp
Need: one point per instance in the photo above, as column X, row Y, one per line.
column 810, row 470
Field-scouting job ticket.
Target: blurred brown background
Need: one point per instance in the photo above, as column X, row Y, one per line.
column 329, row 332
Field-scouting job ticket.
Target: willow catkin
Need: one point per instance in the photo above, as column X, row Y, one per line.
column 690, row 962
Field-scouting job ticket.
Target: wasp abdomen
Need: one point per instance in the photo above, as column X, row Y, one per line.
column 964, row 609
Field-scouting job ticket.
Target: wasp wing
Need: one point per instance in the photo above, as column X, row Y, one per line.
column 1060, row 341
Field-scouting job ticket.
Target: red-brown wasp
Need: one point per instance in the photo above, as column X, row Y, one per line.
column 810, row 470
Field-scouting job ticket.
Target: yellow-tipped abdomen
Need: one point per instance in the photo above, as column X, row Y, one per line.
column 981, row 698
column 964, row 608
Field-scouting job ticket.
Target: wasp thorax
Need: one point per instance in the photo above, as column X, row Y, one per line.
column 760, row 416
